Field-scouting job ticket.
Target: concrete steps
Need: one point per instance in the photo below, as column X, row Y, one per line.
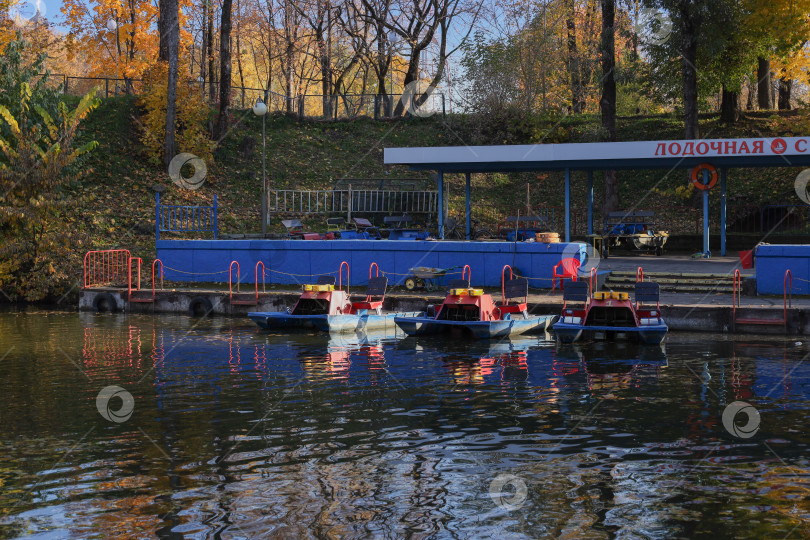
column 674, row 282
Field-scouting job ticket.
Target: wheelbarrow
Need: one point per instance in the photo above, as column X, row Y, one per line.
column 425, row 278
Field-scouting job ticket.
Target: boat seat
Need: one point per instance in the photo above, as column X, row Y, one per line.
column 577, row 291
column 514, row 288
column 295, row 229
column 375, row 294
column 458, row 284
column 647, row 291
column 326, row 280
column 364, row 225
column 335, row 224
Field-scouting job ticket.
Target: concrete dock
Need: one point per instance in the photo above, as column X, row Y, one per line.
column 695, row 312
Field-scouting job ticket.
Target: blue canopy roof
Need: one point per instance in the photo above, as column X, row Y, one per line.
column 753, row 152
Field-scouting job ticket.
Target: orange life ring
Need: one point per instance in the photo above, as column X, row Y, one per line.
column 697, row 179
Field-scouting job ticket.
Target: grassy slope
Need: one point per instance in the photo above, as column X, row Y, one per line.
column 116, row 201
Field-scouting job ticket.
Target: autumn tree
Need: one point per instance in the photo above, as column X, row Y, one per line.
column 417, row 24
column 781, row 29
column 37, row 152
column 116, row 38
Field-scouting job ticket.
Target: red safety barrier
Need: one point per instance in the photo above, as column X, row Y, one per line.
column 106, row 267
column 503, row 282
column 340, row 276
column 230, row 281
column 639, row 275
column 156, row 261
column 373, row 265
column 468, row 272
column 129, row 277
column 787, row 300
column 735, row 294
column 256, row 280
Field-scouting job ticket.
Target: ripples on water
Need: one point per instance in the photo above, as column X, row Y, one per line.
column 239, row 434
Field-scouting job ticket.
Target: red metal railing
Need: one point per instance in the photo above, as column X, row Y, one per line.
column 639, row 275
column 468, row 272
column 106, row 267
column 256, row 279
column 373, row 266
column 137, row 286
column 155, row 262
column 735, row 293
column 129, row 277
column 340, row 276
column 230, row 278
column 787, row 300
column 503, row 281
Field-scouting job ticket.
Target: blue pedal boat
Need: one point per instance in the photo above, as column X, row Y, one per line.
column 473, row 311
column 323, row 307
column 610, row 316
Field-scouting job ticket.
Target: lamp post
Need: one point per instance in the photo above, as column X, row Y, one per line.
column 260, row 109
column 112, row 26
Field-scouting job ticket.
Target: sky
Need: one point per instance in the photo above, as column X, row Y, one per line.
column 49, row 8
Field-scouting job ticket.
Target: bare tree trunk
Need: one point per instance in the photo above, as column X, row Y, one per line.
column 383, row 65
column 608, row 102
column 239, row 67
column 729, row 106
column 130, row 45
column 239, row 52
column 752, row 90
column 785, row 89
column 573, row 58
column 289, row 55
column 689, row 35
column 168, row 50
column 225, row 25
column 764, row 92
column 411, row 75
column 210, row 52
column 289, row 81
column 204, row 46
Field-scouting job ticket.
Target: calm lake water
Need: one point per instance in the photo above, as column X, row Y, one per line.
column 236, row 433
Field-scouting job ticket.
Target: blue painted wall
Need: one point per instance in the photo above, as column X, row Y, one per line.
column 771, row 263
column 295, row 261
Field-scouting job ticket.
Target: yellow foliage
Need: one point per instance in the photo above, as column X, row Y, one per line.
column 684, row 191
column 192, row 113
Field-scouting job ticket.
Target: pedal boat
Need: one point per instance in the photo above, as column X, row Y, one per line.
column 323, row 307
column 610, row 316
column 469, row 309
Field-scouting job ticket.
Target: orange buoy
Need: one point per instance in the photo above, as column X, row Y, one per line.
column 697, row 179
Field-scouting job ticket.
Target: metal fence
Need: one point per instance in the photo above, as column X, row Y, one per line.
column 339, row 201
column 184, row 218
column 304, row 106
column 767, row 219
column 780, row 218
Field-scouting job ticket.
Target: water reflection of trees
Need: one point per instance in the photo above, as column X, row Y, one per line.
column 376, row 437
